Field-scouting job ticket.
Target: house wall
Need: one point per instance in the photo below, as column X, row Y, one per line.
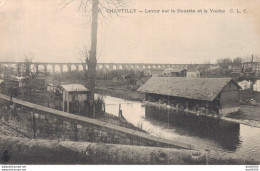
column 193, row 74
column 69, row 97
column 229, row 99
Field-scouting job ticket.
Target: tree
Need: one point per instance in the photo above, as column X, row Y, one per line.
column 30, row 72
column 237, row 61
column 224, row 63
column 2, row 3
column 91, row 56
column 92, row 60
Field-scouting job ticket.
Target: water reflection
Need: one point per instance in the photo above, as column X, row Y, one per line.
column 201, row 132
column 224, row 133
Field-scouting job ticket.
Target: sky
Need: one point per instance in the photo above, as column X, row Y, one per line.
column 41, row 30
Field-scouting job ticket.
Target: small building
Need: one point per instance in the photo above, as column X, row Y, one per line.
column 192, row 71
column 211, row 95
column 153, row 72
column 174, row 72
column 50, row 88
column 74, row 98
column 245, row 84
column 213, row 67
column 256, row 86
column 236, row 69
column 253, row 66
column 148, row 72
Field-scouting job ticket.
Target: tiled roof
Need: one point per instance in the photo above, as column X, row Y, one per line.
column 192, row 88
column 74, row 87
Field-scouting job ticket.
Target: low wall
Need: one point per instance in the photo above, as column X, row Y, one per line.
column 42, row 122
column 31, row 151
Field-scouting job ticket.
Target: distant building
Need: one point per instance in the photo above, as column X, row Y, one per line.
column 245, row 84
column 256, row 86
column 213, row 67
column 153, row 73
column 174, row 72
column 148, row 72
column 50, row 88
column 254, row 66
column 192, row 71
column 236, row 69
column 213, row 95
column 74, row 98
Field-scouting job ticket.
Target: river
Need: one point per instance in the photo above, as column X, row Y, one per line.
column 201, row 132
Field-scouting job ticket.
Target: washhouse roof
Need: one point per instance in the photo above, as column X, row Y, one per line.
column 193, row 88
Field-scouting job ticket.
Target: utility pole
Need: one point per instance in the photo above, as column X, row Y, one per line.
column 252, row 62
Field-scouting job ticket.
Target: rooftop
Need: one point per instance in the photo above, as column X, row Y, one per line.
column 170, row 70
column 192, row 88
column 74, row 87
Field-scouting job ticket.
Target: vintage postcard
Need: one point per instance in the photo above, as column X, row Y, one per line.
column 128, row 82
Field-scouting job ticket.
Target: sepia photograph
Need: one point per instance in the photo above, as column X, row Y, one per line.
column 128, row 82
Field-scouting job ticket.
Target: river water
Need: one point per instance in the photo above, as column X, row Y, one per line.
column 201, row 132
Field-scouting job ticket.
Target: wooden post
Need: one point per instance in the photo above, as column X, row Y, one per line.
column 68, row 106
column 75, row 132
column 34, row 125
column 120, row 114
column 207, row 107
column 104, row 108
column 94, row 109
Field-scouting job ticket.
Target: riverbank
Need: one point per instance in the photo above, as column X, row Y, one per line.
column 250, row 112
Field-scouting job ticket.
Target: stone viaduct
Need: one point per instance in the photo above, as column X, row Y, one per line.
column 46, row 66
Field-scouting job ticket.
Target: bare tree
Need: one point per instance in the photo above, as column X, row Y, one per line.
column 30, row 72
column 97, row 6
column 2, row 3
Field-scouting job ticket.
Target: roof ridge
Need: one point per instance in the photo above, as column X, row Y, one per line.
column 193, row 88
